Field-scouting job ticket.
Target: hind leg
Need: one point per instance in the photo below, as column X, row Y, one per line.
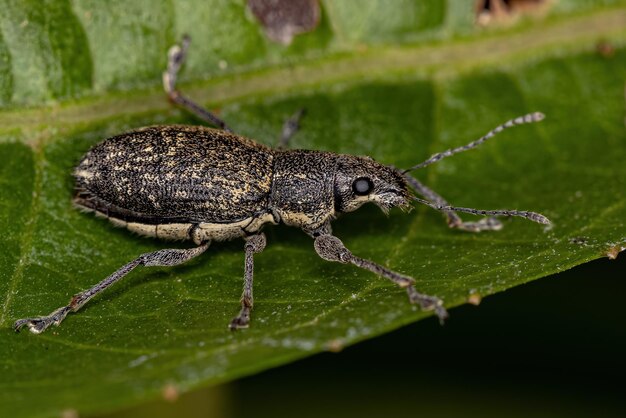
column 175, row 58
column 170, row 257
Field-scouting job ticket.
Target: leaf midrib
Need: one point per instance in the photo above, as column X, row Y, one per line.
column 438, row 61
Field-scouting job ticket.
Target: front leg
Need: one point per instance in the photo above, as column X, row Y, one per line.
column 331, row 248
column 454, row 220
column 254, row 244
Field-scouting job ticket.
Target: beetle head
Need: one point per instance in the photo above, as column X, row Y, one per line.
column 359, row 180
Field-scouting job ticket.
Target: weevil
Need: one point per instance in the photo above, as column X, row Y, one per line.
column 208, row 184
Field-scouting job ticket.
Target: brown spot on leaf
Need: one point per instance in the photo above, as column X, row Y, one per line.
column 605, row 49
column 614, row 251
column 335, row 346
column 170, row 392
column 505, row 11
column 284, row 19
column 474, row 298
column 69, row 413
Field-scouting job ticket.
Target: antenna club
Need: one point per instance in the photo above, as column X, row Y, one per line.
column 528, row 118
column 537, row 117
column 539, row 218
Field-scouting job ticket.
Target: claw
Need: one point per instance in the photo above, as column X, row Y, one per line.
column 242, row 320
column 40, row 324
column 35, row 325
column 238, row 323
column 441, row 313
column 428, row 303
column 17, row 325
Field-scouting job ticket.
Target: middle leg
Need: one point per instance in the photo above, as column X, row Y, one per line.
column 290, row 127
column 254, row 245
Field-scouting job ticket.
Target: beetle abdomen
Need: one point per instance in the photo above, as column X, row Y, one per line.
column 176, row 174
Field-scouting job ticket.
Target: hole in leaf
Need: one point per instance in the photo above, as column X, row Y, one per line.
column 284, row 19
column 505, row 11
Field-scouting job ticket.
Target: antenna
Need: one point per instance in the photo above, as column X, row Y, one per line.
column 531, row 216
column 529, row 118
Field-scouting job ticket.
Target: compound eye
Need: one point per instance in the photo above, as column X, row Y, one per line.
column 362, row 186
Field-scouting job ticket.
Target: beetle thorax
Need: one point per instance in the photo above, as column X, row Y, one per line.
column 302, row 187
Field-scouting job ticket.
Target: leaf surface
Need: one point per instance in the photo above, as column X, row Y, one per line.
column 413, row 88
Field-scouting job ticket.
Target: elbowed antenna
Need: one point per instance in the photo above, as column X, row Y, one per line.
column 531, row 216
column 529, row 118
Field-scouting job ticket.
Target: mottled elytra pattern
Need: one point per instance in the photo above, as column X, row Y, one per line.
column 164, row 174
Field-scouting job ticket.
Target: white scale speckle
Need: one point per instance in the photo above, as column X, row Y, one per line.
column 140, row 360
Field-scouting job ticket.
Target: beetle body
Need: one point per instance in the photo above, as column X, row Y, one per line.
column 203, row 184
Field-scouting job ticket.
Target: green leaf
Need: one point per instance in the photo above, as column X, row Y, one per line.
column 74, row 73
